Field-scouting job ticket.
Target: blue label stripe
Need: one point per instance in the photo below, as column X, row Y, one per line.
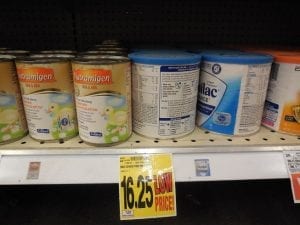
column 176, row 118
column 205, row 108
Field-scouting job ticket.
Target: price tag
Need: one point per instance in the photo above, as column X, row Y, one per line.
column 147, row 186
column 33, row 170
column 292, row 160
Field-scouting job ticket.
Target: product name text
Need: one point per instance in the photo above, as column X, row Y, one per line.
column 36, row 75
column 92, row 76
column 205, row 90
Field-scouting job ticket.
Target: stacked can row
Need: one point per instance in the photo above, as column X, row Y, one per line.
column 166, row 89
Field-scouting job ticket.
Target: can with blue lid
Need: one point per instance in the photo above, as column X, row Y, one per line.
column 232, row 92
column 164, row 92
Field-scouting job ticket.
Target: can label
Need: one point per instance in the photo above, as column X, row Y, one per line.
column 12, row 116
column 50, row 115
column 103, row 102
column 48, row 100
column 231, row 97
column 282, row 108
column 11, row 126
column 164, row 99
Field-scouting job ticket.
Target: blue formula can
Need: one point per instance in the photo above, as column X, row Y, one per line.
column 232, row 91
column 164, row 92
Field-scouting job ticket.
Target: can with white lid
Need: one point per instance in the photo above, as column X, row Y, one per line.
column 164, row 92
column 232, row 92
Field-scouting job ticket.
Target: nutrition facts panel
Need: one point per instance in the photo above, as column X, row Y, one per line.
column 163, row 99
column 178, row 96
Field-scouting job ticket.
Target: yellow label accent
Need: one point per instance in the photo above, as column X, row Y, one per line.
column 147, row 186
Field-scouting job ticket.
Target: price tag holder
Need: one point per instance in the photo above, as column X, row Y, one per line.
column 147, row 186
column 292, row 160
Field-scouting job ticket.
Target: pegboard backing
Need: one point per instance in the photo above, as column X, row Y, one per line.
column 36, row 25
column 175, row 22
column 80, row 24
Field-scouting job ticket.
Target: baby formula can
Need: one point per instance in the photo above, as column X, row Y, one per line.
column 103, row 99
column 282, row 107
column 12, row 117
column 164, row 93
column 232, row 91
column 47, row 91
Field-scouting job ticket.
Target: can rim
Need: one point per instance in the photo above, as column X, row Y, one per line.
column 31, row 60
column 101, row 60
column 7, row 57
column 51, row 55
column 57, row 51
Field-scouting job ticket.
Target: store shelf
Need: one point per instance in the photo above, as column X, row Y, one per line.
column 258, row 156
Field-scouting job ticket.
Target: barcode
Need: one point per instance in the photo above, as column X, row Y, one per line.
column 274, row 71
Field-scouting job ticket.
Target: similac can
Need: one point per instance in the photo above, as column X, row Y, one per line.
column 103, row 99
column 47, row 91
column 232, row 91
column 282, row 107
column 164, row 94
column 12, row 117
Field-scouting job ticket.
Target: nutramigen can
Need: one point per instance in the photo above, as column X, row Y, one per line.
column 12, row 117
column 47, row 91
column 164, row 92
column 282, row 107
column 232, row 92
column 103, row 99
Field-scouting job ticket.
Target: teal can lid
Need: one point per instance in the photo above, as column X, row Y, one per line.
column 237, row 57
column 165, row 57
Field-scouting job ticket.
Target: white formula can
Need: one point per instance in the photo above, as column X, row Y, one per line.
column 164, row 93
column 232, row 92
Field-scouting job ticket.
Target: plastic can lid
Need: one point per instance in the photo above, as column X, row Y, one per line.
column 238, row 58
column 165, row 57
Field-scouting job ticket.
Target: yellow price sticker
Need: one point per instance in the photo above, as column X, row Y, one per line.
column 147, row 186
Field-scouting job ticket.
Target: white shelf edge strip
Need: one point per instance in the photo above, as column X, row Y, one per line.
column 84, row 169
